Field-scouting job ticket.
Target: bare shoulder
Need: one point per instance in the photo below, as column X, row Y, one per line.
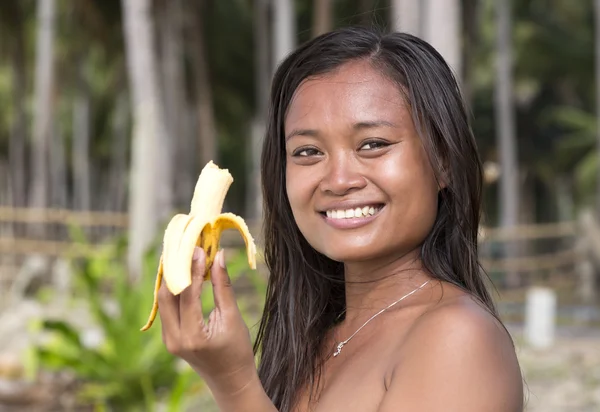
column 457, row 356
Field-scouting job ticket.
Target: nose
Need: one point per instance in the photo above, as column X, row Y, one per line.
column 343, row 175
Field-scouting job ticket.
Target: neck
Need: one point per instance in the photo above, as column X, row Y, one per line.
column 371, row 286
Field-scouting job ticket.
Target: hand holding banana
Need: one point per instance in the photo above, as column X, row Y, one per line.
column 219, row 349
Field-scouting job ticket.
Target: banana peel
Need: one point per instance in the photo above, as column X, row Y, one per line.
column 202, row 227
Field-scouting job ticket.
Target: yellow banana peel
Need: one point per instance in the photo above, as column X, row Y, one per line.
column 201, row 227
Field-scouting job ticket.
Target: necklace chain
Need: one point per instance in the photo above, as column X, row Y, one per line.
column 340, row 345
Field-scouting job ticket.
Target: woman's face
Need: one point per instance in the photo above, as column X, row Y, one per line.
column 358, row 179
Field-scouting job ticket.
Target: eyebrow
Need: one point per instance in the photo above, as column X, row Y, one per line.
column 357, row 126
column 373, row 124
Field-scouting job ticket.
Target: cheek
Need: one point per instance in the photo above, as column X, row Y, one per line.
column 296, row 185
column 299, row 196
column 411, row 184
column 425, row 198
column 292, row 195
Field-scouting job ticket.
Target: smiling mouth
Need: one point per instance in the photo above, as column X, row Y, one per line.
column 354, row 213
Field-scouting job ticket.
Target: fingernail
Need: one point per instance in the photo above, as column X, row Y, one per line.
column 222, row 258
column 196, row 254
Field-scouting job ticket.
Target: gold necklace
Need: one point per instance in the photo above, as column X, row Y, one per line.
column 341, row 344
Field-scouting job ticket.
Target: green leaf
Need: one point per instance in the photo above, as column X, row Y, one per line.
column 176, row 399
column 65, row 331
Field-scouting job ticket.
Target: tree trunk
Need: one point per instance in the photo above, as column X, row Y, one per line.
column 119, row 150
column 148, row 131
column 187, row 146
column 171, row 40
column 207, row 133
column 407, row 16
column 284, row 32
column 81, row 141
column 322, row 17
column 188, row 162
column 165, row 197
column 18, row 134
column 564, row 198
column 262, row 72
column 7, row 231
column 58, row 169
column 505, row 129
column 471, row 33
column 5, row 194
column 42, row 121
column 443, row 30
column 438, row 23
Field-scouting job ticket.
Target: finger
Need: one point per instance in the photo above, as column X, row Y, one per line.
column 168, row 310
column 190, row 306
column 222, row 287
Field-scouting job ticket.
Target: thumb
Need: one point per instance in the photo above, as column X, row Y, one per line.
column 222, row 287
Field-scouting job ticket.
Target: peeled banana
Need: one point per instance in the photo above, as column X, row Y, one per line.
column 201, row 227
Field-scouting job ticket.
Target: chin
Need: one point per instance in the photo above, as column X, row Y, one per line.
column 366, row 252
column 346, row 254
column 348, row 247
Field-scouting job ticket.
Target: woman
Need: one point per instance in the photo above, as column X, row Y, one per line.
column 376, row 301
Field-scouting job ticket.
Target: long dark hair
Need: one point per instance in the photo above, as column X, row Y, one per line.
column 305, row 292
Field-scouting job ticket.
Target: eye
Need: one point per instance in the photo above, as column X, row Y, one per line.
column 306, row 152
column 373, row 144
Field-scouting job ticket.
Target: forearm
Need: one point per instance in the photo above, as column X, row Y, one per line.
column 249, row 398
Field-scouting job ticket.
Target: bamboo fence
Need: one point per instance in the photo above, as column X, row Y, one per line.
column 105, row 225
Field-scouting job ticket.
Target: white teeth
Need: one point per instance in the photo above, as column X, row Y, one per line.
column 350, row 213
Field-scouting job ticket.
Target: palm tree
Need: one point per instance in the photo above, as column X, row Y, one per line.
column 81, row 139
column 170, row 19
column 505, row 127
column 438, row 23
column 207, row 132
column 147, row 178
column 43, row 107
column 442, row 29
column 284, row 31
column 262, row 72
column 407, row 16
column 322, row 18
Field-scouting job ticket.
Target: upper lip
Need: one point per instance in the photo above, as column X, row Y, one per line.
column 348, row 204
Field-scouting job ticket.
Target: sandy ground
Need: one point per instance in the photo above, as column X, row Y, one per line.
column 564, row 377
